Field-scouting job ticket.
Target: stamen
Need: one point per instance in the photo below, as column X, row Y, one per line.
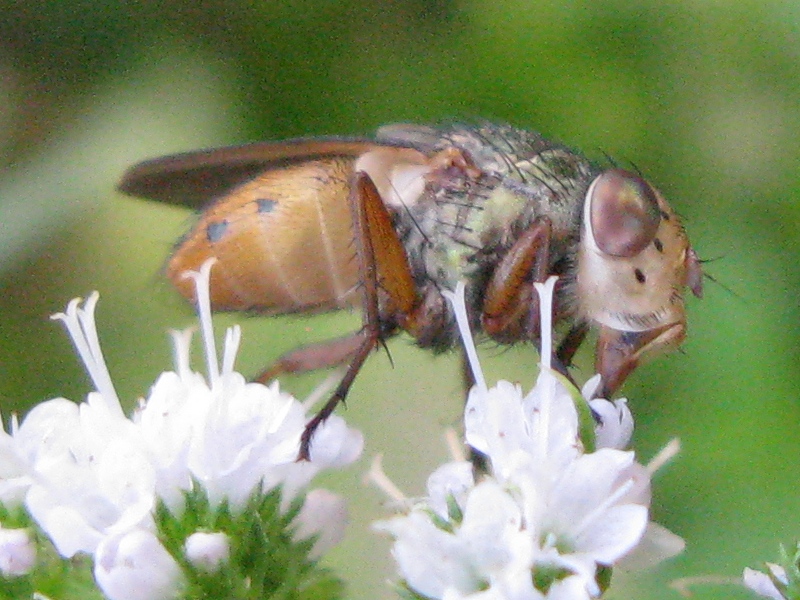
column 546, row 378
column 455, row 445
column 181, row 348
column 81, row 328
column 233, row 337
column 666, row 454
column 684, row 585
column 456, row 298
column 545, row 291
column 379, row 479
column 601, row 508
column 202, row 282
column 546, row 389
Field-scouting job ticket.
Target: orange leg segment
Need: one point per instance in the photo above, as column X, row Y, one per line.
column 313, row 357
column 511, row 307
column 383, row 268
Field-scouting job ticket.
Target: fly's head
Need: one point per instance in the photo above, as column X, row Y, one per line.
column 634, row 263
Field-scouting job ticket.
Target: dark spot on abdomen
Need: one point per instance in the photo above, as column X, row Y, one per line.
column 216, row 231
column 265, row 205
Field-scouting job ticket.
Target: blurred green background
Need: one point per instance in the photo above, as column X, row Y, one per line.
column 703, row 97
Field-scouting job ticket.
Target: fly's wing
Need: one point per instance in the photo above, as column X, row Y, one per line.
column 410, row 135
column 194, row 179
column 279, row 224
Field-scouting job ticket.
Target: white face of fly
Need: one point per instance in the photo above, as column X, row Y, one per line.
column 635, row 259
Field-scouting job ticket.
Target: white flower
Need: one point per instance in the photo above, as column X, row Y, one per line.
column 14, row 472
column 135, row 566
column 615, row 426
column 323, row 517
column 17, row 552
column 537, row 431
column 546, row 515
column 763, row 584
column 657, row 545
column 488, row 555
column 207, row 551
column 451, row 482
column 88, row 474
column 91, row 476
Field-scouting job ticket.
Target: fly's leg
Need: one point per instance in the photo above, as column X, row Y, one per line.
column 571, row 342
column 511, row 306
column 313, row 357
column 383, row 267
column 620, row 352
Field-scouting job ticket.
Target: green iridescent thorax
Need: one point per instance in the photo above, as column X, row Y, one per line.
column 467, row 224
column 466, row 220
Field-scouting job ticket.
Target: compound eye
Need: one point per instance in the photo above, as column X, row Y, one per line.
column 623, row 212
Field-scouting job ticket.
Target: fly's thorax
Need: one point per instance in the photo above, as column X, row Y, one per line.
column 467, row 221
column 633, row 256
column 534, row 177
column 398, row 174
column 442, row 231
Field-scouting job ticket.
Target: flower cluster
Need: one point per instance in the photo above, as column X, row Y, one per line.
column 561, row 502
column 777, row 581
column 96, row 481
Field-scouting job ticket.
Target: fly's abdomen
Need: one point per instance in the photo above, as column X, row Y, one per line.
column 286, row 246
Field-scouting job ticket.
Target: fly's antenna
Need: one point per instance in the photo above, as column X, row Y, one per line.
column 716, row 281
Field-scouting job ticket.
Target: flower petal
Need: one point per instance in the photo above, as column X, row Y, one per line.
column 135, row 566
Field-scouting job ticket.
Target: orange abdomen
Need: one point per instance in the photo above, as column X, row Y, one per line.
column 283, row 242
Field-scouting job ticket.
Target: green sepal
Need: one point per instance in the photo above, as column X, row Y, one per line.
column 454, row 515
column 603, row 577
column 15, row 517
column 545, row 575
column 791, row 564
column 265, row 561
column 404, row 592
column 454, row 512
column 586, row 422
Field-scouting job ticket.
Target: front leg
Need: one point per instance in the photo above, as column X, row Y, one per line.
column 619, row 352
column 511, row 306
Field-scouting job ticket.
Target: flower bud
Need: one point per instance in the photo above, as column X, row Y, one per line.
column 324, row 514
column 135, row 566
column 17, row 552
column 207, row 551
